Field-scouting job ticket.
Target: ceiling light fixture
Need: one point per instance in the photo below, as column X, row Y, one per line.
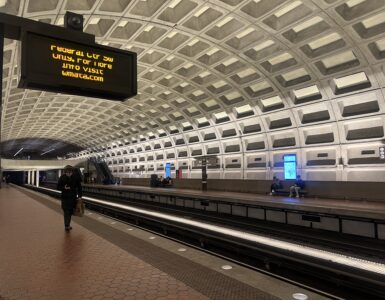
column 21, row 149
column 46, row 152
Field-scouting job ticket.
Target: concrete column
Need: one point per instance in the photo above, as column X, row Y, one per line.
column 37, row 178
column 59, row 172
column 33, row 177
column 29, row 177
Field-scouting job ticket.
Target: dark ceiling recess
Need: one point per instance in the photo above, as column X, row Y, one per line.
column 36, row 148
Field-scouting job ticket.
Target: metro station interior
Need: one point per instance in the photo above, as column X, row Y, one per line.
column 231, row 94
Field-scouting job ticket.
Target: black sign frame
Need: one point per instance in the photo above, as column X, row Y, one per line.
column 28, row 80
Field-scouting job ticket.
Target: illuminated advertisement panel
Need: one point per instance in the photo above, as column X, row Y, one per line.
column 290, row 166
column 168, row 170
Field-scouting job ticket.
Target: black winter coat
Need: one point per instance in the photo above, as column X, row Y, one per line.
column 69, row 196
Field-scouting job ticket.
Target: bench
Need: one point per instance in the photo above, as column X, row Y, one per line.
column 284, row 189
column 160, row 184
column 283, row 192
column 165, row 185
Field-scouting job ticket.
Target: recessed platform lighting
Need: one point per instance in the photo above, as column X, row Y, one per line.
column 226, row 267
column 300, row 296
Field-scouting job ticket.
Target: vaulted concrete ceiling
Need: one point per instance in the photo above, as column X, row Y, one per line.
column 201, row 63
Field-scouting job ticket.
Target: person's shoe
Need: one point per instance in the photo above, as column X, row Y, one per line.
column 67, row 228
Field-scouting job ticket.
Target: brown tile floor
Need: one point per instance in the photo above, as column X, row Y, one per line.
column 39, row 260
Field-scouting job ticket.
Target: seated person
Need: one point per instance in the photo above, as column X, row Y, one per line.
column 167, row 181
column 160, row 181
column 298, row 185
column 164, row 181
column 154, row 180
column 275, row 185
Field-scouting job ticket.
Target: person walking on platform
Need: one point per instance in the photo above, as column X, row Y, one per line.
column 71, row 189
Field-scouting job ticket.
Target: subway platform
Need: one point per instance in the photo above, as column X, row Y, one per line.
column 102, row 258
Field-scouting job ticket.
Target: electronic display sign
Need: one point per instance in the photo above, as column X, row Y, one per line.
column 290, row 166
column 64, row 66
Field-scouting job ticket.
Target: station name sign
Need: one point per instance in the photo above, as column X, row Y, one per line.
column 64, row 66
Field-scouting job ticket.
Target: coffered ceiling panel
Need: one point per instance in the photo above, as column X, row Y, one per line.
column 200, row 62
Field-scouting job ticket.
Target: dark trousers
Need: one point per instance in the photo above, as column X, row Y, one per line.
column 274, row 186
column 67, row 217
